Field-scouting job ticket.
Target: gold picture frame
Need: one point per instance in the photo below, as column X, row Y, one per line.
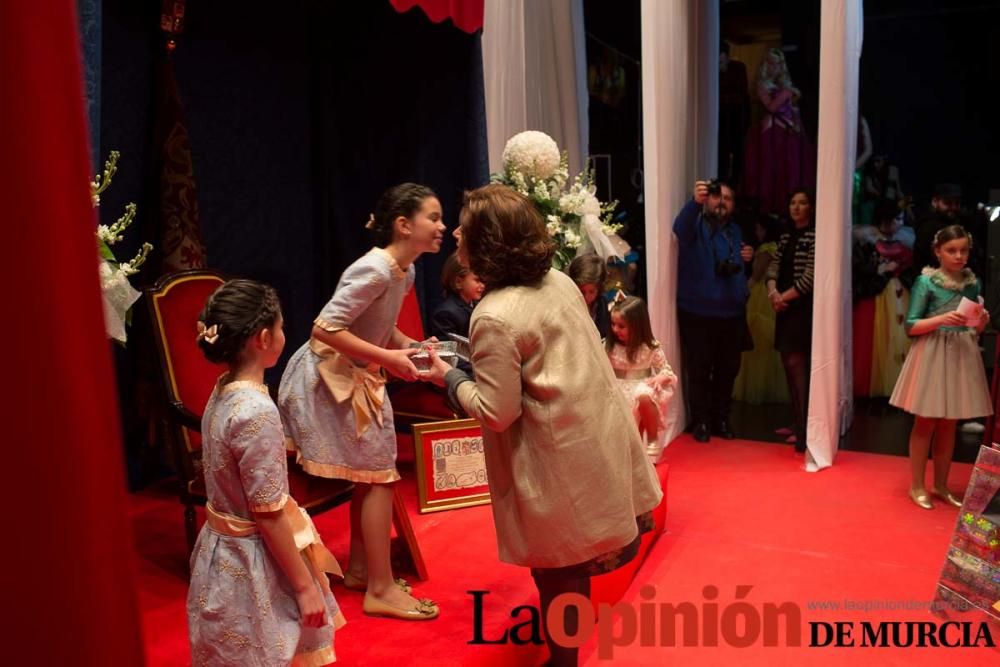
column 450, row 465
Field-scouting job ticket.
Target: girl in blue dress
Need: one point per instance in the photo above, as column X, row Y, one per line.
column 259, row 594
column 333, row 402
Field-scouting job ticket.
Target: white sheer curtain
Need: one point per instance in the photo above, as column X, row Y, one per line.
column 534, row 67
column 830, row 396
column 680, row 93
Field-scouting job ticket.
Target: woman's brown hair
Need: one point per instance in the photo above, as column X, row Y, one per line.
column 504, row 237
column 633, row 310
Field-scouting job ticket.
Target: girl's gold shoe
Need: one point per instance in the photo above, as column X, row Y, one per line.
column 946, row 496
column 425, row 610
column 921, row 499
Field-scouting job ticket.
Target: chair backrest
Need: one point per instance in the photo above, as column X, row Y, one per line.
column 174, row 304
column 409, row 320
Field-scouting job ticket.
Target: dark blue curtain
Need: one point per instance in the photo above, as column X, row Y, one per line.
column 297, row 124
column 298, row 118
column 399, row 99
column 89, row 12
column 930, row 89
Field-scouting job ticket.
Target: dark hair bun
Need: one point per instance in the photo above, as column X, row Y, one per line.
column 234, row 312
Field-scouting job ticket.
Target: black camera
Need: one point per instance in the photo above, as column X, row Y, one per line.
column 727, row 267
column 714, row 187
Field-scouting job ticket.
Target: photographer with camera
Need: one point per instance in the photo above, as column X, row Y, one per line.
column 711, row 304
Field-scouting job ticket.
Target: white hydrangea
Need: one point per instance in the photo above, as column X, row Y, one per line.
column 573, row 239
column 533, row 154
column 553, row 224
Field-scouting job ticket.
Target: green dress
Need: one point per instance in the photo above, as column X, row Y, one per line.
column 943, row 376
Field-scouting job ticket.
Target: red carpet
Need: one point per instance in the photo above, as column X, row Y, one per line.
column 740, row 513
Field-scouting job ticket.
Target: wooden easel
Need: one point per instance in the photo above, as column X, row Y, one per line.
column 404, row 549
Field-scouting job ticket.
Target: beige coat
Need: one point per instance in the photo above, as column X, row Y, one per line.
column 568, row 473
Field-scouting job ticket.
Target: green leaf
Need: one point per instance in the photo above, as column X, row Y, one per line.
column 104, row 251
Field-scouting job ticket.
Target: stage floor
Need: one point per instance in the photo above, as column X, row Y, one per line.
column 740, row 514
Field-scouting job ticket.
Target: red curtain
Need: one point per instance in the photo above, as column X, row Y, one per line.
column 68, row 574
column 467, row 15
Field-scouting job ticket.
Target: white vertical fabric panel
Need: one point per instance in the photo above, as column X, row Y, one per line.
column 534, row 67
column 503, row 75
column 830, row 396
column 582, row 91
column 680, row 134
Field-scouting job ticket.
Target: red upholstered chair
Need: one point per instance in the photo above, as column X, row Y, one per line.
column 188, row 378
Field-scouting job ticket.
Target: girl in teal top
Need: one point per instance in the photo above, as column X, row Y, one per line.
column 943, row 379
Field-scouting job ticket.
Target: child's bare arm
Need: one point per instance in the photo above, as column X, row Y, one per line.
column 396, row 362
column 277, row 533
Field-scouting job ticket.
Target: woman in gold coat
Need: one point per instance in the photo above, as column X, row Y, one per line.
column 571, row 486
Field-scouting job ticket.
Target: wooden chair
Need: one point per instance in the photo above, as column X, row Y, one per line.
column 174, row 303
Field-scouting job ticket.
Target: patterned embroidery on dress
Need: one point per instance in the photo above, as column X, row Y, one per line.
column 235, row 571
column 266, row 494
column 257, row 423
column 263, row 602
column 238, row 640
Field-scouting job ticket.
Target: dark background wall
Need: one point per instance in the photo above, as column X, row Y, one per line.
column 929, row 84
column 299, row 116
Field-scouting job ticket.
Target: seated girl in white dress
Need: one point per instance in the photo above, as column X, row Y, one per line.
column 642, row 370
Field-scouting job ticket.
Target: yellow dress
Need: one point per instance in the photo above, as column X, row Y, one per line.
column 762, row 377
column 889, row 342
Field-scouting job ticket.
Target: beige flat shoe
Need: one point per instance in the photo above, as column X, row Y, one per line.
column 921, row 499
column 424, row 611
column 946, row 496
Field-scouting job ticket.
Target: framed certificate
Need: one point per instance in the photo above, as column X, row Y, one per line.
column 451, row 467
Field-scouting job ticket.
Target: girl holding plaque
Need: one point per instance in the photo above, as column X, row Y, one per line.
column 332, row 397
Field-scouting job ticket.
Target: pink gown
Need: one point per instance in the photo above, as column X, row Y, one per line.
column 779, row 158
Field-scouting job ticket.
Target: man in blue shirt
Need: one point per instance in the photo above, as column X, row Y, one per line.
column 711, row 304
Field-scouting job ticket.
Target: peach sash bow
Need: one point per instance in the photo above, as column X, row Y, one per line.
column 307, row 539
column 364, row 386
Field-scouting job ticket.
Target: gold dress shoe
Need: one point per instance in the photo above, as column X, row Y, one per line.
column 424, row 610
column 921, row 499
column 355, row 583
column 946, row 496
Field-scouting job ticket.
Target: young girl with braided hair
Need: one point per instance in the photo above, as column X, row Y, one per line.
column 259, row 592
column 333, row 402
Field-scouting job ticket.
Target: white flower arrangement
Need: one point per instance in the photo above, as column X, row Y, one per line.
column 577, row 221
column 118, row 293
